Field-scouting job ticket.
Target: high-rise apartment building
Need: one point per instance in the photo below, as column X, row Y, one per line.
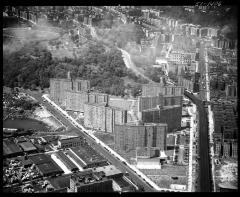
column 102, row 117
column 59, row 88
column 131, row 136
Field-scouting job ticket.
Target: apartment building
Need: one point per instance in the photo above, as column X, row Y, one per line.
column 75, row 100
column 129, row 137
column 171, row 115
column 59, row 88
column 103, row 118
column 146, row 103
column 153, row 89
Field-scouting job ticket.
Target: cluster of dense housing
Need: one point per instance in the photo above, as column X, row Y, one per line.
column 148, row 118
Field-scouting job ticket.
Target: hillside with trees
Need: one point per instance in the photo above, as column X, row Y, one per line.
column 33, row 66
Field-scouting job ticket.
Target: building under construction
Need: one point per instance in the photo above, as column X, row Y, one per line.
column 130, row 136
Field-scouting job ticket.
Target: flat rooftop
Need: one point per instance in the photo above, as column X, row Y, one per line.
column 27, row 146
column 109, row 170
column 9, row 147
column 88, row 155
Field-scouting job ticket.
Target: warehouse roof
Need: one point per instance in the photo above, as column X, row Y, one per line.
column 109, row 170
column 40, row 159
column 60, row 182
column 9, row 147
column 88, row 155
column 27, row 146
column 49, row 168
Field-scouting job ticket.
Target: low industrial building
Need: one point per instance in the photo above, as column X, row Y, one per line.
column 10, row 149
column 90, row 157
column 45, row 165
column 89, row 181
column 110, row 171
column 28, row 147
column 148, row 163
column 69, row 142
column 81, row 164
column 66, row 161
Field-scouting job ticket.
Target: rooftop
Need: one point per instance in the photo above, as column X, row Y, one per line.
column 49, row 167
column 88, row 154
column 40, row 158
column 87, row 177
column 109, row 170
column 9, row 147
column 27, row 146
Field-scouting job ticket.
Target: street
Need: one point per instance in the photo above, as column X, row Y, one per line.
column 204, row 163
